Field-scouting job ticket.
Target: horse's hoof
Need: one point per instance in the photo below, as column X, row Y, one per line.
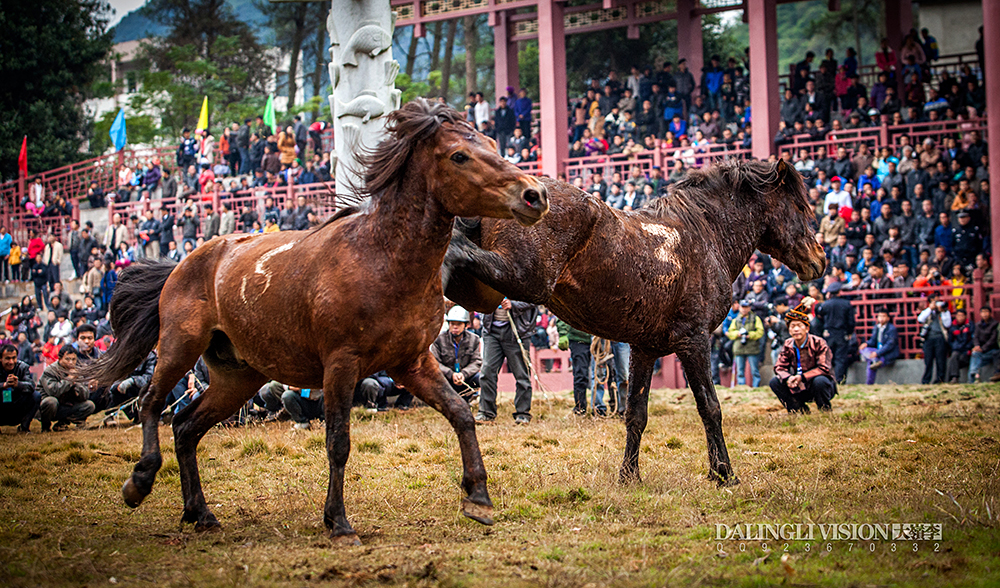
column 346, row 540
column 209, row 526
column 724, row 478
column 629, row 477
column 133, row 497
column 480, row 513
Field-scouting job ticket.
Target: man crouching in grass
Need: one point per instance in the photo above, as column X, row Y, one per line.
column 804, row 370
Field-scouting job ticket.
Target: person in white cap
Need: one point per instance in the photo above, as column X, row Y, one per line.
column 457, row 353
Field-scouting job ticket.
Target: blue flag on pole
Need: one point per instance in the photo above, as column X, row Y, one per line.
column 118, row 131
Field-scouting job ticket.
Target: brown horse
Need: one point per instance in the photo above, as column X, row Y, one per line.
column 322, row 308
column 658, row 279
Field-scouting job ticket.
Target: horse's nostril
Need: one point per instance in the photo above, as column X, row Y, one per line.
column 532, row 198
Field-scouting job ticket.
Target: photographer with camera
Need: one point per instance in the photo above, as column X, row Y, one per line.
column 960, row 341
column 804, row 370
column 746, row 332
column 777, row 329
column 936, row 319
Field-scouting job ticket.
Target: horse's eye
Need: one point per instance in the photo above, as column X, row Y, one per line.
column 459, row 157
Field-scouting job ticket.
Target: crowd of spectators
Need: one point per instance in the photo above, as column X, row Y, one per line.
column 906, row 215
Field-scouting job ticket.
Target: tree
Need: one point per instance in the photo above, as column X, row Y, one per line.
column 215, row 55
column 859, row 19
column 471, row 43
column 50, row 55
column 449, row 47
column 291, row 24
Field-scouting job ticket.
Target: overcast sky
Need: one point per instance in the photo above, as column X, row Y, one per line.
column 123, row 7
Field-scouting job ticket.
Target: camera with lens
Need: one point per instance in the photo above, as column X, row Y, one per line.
column 743, row 336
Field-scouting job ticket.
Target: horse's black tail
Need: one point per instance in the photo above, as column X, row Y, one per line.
column 135, row 318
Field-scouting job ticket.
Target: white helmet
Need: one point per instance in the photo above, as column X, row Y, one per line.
column 457, row 314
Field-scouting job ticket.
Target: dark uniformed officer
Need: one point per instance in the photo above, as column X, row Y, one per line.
column 967, row 240
column 836, row 323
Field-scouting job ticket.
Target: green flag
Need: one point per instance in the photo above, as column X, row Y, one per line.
column 269, row 119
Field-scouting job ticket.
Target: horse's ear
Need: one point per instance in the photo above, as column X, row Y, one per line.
column 782, row 166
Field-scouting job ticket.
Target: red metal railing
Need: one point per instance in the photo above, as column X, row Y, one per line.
column 320, row 196
column 906, row 303
column 888, row 136
column 868, row 74
column 71, row 181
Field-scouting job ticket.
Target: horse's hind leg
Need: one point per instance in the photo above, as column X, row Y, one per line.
column 695, row 357
column 641, row 369
column 228, row 390
column 424, row 380
column 172, row 364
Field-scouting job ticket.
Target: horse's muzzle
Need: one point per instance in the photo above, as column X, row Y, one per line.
column 532, row 204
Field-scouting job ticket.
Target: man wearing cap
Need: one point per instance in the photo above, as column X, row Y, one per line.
column 746, row 332
column 841, row 198
column 836, row 321
column 457, row 353
column 882, row 348
column 804, row 371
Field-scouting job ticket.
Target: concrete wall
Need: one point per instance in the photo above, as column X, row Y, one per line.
column 954, row 23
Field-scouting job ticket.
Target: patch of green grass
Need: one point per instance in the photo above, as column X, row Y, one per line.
column 78, row 456
column 673, row 443
column 560, row 496
column 370, row 447
column 316, row 443
column 254, row 447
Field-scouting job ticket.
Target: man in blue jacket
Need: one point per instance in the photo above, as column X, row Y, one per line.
column 882, row 348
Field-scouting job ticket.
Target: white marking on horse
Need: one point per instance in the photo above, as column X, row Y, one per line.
column 259, row 267
column 671, row 239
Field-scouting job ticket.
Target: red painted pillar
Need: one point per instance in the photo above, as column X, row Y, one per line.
column 689, row 38
column 898, row 22
column 764, row 99
column 504, row 55
column 553, row 99
column 991, row 57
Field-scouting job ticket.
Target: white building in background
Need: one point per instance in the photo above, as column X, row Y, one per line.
column 954, row 23
column 125, row 68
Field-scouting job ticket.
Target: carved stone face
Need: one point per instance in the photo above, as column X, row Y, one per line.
column 363, row 74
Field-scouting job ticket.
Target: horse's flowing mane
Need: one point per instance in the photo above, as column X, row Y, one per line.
column 705, row 191
column 416, row 121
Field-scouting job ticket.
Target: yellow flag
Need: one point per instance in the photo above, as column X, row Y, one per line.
column 203, row 118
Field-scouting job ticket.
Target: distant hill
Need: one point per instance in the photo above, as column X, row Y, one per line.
column 134, row 26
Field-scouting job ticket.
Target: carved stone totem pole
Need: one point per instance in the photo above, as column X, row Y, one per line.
column 363, row 74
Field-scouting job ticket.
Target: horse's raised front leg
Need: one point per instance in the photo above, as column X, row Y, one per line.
column 695, row 357
column 424, row 380
column 228, row 390
column 640, row 374
column 338, row 392
column 470, row 273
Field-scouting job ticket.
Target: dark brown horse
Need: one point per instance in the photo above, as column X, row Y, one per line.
column 321, row 308
column 659, row 278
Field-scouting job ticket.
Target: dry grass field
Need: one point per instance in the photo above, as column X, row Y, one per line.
column 885, row 455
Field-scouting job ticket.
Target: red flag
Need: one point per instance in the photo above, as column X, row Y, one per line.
column 22, row 159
